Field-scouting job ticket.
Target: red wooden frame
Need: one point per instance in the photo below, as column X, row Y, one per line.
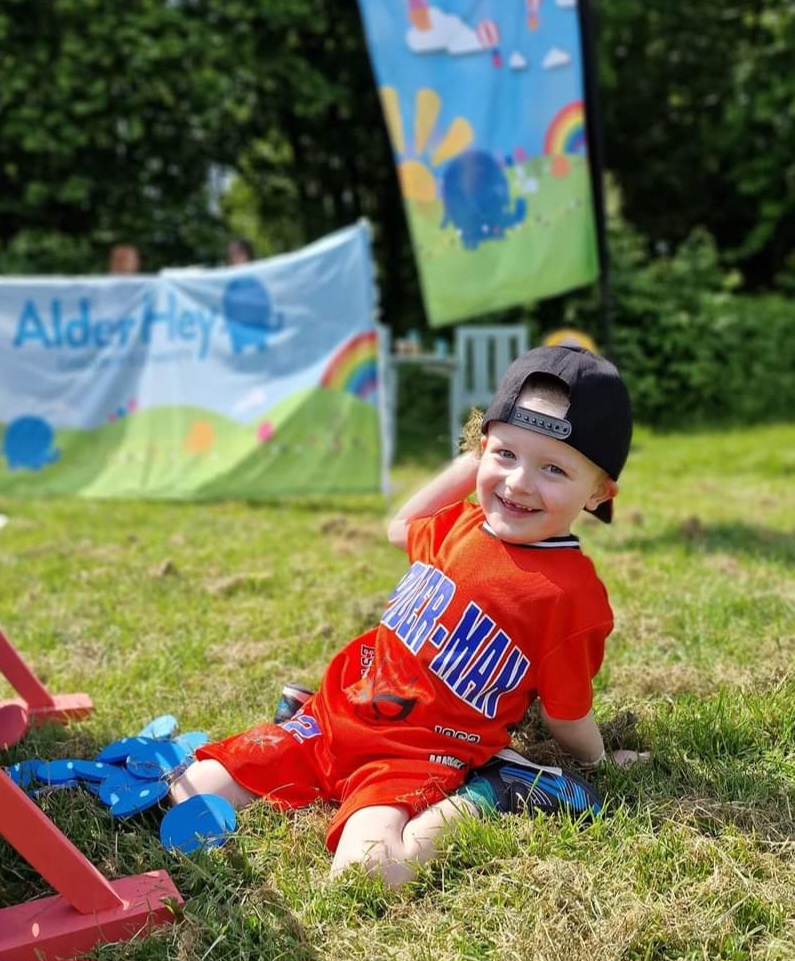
column 88, row 909
column 35, row 705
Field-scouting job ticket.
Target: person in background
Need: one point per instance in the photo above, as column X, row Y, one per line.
column 239, row 251
column 409, row 728
column 124, row 259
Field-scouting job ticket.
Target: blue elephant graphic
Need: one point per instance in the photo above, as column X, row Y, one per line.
column 249, row 315
column 477, row 200
column 28, row 444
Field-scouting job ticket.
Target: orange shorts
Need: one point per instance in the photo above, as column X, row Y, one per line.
column 289, row 766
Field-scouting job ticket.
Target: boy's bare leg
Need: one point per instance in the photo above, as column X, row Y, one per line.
column 389, row 844
column 210, row 777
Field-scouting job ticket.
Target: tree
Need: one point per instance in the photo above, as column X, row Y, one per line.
column 322, row 158
column 117, row 118
column 699, row 123
column 113, row 114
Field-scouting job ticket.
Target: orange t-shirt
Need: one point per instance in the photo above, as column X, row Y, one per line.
column 473, row 632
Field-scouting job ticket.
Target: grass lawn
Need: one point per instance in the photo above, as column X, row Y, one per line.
column 204, row 611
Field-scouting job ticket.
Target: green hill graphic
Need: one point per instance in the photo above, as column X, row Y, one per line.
column 315, row 441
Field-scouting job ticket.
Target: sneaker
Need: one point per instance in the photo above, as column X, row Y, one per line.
column 514, row 785
column 292, row 700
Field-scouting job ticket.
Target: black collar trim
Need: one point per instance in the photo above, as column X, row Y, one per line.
column 567, row 540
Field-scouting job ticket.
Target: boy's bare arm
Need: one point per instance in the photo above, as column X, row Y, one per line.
column 581, row 738
column 453, row 484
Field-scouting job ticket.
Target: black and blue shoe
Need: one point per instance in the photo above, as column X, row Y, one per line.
column 510, row 784
column 293, row 698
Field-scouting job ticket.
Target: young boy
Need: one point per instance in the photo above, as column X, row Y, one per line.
column 499, row 607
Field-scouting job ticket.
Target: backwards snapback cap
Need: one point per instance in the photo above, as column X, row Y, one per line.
column 598, row 422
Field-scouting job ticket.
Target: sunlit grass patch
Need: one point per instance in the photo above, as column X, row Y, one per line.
column 205, row 611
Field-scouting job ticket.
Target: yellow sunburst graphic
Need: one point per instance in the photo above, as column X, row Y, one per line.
column 417, row 181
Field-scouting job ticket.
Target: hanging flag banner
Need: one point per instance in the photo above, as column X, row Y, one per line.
column 484, row 103
column 251, row 381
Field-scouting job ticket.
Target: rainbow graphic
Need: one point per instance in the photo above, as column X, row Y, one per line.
column 566, row 133
column 354, row 367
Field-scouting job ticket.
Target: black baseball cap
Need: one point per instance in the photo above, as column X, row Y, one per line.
column 598, row 422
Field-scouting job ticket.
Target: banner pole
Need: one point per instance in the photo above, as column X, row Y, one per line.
column 593, row 128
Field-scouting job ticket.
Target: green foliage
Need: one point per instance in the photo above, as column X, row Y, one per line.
column 692, row 350
column 423, row 427
column 113, row 116
column 116, row 119
column 699, row 124
column 119, row 122
column 51, row 252
column 321, row 158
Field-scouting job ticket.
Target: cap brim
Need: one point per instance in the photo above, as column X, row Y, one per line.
column 604, row 511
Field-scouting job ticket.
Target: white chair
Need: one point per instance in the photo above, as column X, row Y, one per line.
column 483, row 354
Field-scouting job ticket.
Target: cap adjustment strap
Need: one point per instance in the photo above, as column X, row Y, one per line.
column 541, row 423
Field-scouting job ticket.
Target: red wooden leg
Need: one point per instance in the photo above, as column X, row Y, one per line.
column 34, row 698
column 88, row 908
column 14, row 720
column 21, row 678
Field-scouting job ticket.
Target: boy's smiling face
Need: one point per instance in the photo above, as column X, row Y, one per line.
column 532, row 486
